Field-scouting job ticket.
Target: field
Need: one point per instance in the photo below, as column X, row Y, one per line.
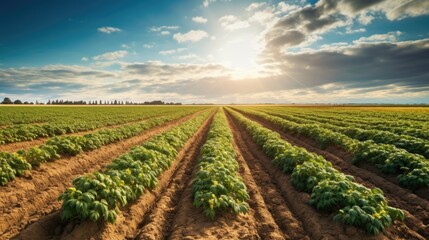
column 214, row 172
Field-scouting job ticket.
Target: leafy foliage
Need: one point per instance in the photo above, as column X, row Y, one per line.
column 412, row 169
column 330, row 189
column 100, row 195
column 217, row 187
column 56, row 147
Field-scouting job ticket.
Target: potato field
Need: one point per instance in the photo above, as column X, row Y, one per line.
column 214, row 172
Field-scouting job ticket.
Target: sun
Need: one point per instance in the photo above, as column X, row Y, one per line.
column 240, row 53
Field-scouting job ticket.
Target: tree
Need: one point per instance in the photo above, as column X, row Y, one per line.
column 6, row 100
column 17, row 101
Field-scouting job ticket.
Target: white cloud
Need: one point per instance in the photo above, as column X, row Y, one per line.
column 400, row 9
column 125, row 46
column 172, row 51
column 265, row 17
column 109, row 30
column 148, row 45
column 163, row 28
column 199, row 19
column 387, row 37
column 351, row 31
column 231, row 23
column 284, row 7
column 84, row 59
column 189, row 57
column 191, row 36
column 206, row 3
column 255, row 6
column 110, row 56
column 165, row 33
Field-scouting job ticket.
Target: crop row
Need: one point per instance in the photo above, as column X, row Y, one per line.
column 87, row 122
column 402, row 127
column 412, row 170
column 12, row 116
column 377, row 114
column 99, row 195
column 409, row 143
column 15, row 164
column 330, row 189
column 217, row 186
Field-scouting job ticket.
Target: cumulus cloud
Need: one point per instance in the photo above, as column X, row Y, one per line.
column 363, row 64
column 387, row 37
column 255, row 5
column 172, row 51
column 326, row 15
column 266, row 17
column 109, row 30
column 206, row 3
column 352, row 31
column 163, row 28
column 191, row 36
column 148, row 45
column 400, row 9
column 231, row 23
column 110, row 56
column 199, row 19
column 284, row 7
column 84, row 59
column 175, row 71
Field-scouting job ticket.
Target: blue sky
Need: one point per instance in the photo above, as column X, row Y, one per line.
column 218, row 51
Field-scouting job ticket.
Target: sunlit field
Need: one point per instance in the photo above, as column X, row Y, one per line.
column 214, row 119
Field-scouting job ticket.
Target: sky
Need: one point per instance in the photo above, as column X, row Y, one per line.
column 216, row 51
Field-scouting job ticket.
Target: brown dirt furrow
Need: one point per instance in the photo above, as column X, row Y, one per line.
column 317, row 225
column 274, row 219
column 416, row 208
column 26, row 200
column 13, row 147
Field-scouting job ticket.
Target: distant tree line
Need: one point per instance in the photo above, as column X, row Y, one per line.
column 7, row 100
column 105, row 102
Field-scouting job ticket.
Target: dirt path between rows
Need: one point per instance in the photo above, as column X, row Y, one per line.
column 317, row 225
column 416, row 209
column 274, row 218
column 13, row 147
column 26, row 200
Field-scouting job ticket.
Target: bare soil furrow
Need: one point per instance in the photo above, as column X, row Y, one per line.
column 274, row 219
